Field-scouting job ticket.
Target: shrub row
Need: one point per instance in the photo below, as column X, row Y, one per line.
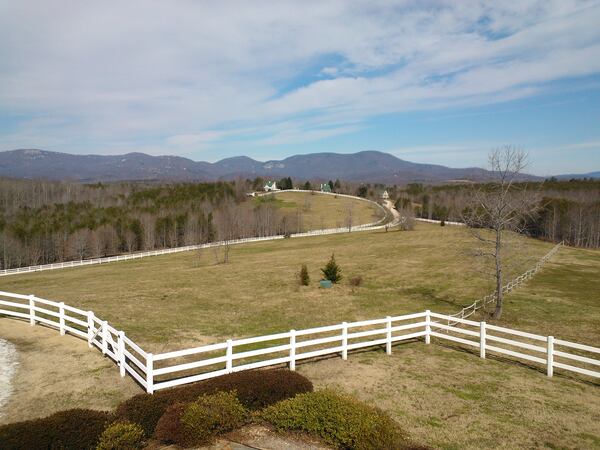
column 338, row 419
column 77, row 429
column 255, row 390
column 81, row 429
column 197, row 423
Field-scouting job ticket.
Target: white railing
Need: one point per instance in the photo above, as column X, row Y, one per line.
column 468, row 311
column 87, row 262
column 446, row 222
column 165, row 370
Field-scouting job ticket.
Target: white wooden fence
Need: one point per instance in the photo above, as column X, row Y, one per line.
column 446, row 222
column 88, row 262
column 468, row 311
column 165, row 370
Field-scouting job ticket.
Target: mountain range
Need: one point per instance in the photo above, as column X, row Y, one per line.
column 367, row 166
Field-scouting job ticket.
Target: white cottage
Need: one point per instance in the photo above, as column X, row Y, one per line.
column 385, row 195
column 270, row 186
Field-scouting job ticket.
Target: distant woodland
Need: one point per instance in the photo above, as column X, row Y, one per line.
column 44, row 221
column 566, row 210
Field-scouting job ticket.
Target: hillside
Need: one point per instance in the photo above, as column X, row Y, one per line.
column 367, row 166
column 435, row 391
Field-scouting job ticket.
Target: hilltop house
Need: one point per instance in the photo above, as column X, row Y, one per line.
column 385, row 195
column 325, row 187
column 270, row 186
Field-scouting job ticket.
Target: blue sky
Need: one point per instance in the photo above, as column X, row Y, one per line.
column 429, row 81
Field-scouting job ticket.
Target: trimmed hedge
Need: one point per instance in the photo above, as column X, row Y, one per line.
column 338, row 419
column 199, row 422
column 122, row 436
column 72, row 429
column 255, row 390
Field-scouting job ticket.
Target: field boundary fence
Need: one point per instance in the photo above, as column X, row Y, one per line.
column 164, row 370
column 468, row 311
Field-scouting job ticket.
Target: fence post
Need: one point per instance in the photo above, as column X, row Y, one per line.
column 292, row 349
column 229, row 356
column 550, row 356
column 345, row 341
column 388, row 344
column 104, row 337
column 32, row 310
column 90, row 320
column 150, row 373
column 427, row 327
column 121, row 353
column 482, row 339
column 61, row 318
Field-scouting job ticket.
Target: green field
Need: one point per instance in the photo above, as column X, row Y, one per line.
column 444, row 396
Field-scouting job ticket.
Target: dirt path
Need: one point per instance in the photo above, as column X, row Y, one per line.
column 57, row 372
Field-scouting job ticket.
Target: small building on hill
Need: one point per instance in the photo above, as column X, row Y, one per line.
column 325, row 187
column 385, row 195
column 270, row 186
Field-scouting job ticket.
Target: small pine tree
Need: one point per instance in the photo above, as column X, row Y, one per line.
column 304, row 277
column 332, row 271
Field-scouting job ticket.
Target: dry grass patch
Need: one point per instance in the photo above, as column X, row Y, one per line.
column 448, row 398
column 319, row 211
column 164, row 302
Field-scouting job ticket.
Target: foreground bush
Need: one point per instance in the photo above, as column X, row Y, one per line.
column 73, row 429
column 198, row 423
column 255, row 390
column 338, row 419
column 122, row 436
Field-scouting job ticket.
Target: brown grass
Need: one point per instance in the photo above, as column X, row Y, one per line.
column 168, row 302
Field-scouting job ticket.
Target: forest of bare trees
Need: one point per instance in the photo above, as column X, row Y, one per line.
column 43, row 222
column 566, row 210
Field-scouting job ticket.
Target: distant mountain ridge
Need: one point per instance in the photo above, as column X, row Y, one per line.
column 367, row 166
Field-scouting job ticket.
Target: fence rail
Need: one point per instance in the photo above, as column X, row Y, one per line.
column 164, row 370
column 87, row 262
column 468, row 311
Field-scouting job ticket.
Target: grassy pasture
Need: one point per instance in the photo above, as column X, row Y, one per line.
column 319, row 211
column 443, row 396
column 167, row 302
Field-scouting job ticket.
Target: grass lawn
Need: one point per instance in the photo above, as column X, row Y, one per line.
column 319, row 211
column 443, row 396
column 449, row 398
column 169, row 302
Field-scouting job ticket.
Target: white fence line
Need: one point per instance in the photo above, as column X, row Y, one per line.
column 468, row 311
column 446, row 222
column 164, row 370
column 87, row 262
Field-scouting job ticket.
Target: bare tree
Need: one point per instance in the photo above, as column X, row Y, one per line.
column 349, row 211
column 498, row 208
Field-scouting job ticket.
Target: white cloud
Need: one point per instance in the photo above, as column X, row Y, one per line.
column 104, row 74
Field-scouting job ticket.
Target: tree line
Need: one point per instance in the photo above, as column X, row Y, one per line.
column 43, row 222
column 566, row 210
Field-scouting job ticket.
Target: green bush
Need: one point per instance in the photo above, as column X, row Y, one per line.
column 332, row 271
column 255, row 390
column 76, row 429
column 199, row 422
column 304, row 276
column 122, row 436
column 212, row 415
column 338, row 419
